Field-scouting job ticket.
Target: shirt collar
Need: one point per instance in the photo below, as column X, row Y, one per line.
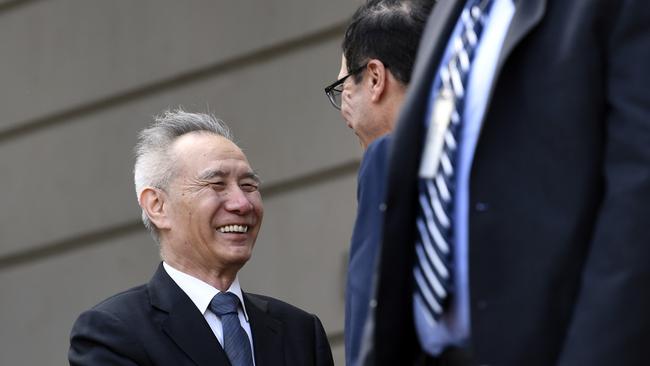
column 200, row 292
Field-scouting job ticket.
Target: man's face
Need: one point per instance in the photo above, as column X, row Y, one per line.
column 214, row 206
column 355, row 105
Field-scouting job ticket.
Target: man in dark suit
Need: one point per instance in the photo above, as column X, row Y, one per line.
column 549, row 239
column 200, row 200
column 379, row 49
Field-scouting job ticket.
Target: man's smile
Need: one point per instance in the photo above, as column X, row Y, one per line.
column 233, row 229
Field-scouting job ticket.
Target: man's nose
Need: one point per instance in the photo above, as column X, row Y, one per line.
column 238, row 202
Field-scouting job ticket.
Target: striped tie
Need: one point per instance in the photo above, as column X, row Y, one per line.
column 235, row 340
column 435, row 238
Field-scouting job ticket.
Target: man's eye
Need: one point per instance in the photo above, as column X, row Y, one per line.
column 249, row 187
column 218, row 185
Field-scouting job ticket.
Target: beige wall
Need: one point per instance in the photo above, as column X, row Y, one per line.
column 79, row 78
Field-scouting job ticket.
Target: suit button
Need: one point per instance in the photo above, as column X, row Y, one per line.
column 382, row 207
column 481, row 206
column 481, row 304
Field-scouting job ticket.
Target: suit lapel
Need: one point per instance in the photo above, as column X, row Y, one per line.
column 441, row 23
column 267, row 332
column 189, row 330
column 528, row 13
column 183, row 323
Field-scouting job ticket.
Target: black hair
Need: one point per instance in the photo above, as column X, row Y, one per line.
column 387, row 30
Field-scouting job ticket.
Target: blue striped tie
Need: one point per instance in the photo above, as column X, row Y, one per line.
column 435, row 237
column 235, row 339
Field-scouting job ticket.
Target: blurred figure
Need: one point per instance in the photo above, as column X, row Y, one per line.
column 518, row 188
column 378, row 55
column 200, row 200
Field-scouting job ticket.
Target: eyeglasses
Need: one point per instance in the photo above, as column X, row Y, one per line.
column 334, row 90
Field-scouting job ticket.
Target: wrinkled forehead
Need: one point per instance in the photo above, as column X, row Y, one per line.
column 203, row 151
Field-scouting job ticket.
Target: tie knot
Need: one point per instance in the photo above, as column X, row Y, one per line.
column 224, row 303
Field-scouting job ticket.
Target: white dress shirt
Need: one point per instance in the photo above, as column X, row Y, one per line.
column 202, row 293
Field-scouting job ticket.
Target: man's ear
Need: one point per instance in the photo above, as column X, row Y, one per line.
column 153, row 202
column 377, row 78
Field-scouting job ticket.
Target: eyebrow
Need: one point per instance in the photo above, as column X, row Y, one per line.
column 211, row 174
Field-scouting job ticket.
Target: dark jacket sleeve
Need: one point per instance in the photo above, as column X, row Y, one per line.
column 100, row 338
column 323, row 351
column 610, row 323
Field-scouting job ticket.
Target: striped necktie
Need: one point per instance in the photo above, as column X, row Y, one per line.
column 235, row 340
column 433, row 267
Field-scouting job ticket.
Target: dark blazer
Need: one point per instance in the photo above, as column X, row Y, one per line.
column 158, row 324
column 364, row 245
column 559, row 246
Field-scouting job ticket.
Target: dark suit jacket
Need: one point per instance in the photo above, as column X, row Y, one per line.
column 559, row 246
column 158, row 324
column 364, row 245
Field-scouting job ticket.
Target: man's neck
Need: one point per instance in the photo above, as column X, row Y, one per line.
column 219, row 278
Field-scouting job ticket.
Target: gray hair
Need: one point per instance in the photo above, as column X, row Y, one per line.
column 154, row 165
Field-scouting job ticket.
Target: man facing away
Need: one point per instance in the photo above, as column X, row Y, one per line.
column 378, row 53
column 200, row 200
column 516, row 228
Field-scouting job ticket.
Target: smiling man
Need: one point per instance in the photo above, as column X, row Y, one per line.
column 200, row 200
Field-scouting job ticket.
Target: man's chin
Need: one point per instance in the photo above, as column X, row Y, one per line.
column 239, row 256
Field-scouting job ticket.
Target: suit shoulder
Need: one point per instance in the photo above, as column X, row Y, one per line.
column 124, row 301
column 110, row 332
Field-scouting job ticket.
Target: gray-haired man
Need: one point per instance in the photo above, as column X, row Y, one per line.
column 200, row 199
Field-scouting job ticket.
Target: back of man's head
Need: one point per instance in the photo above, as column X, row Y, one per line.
column 388, row 30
